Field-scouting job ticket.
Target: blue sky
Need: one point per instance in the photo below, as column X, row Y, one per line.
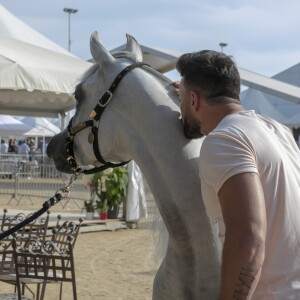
column 262, row 36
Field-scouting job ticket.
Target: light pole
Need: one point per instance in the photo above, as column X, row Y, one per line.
column 70, row 11
column 222, row 45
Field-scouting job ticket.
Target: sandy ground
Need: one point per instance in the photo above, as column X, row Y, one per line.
column 118, row 265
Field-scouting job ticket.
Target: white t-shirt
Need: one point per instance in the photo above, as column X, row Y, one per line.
column 3, row 148
column 247, row 142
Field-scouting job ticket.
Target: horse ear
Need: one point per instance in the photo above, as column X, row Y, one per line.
column 133, row 47
column 101, row 56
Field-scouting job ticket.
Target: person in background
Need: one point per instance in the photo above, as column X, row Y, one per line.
column 23, row 150
column 249, row 168
column 31, row 145
column 12, row 148
column 3, row 147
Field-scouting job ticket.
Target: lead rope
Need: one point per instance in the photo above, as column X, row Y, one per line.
column 46, row 205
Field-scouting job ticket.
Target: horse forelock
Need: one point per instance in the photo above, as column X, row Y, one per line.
column 124, row 54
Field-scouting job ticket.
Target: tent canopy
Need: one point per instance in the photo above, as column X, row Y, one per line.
column 41, row 127
column 255, row 100
column 293, row 121
column 10, row 126
column 12, row 27
column 37, row 76
column 36, row 81
column 276, row 106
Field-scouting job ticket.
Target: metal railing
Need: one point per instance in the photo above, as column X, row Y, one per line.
column 37, row 177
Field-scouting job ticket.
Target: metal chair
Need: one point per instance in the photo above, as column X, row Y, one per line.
column 63, row 236
column 61, row 233
column 7, row 267
column 36, row 230
column 44, row 262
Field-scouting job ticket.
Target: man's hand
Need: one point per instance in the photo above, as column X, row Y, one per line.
column 176, row 87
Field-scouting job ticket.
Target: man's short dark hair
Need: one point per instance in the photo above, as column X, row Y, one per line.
column 212, row 73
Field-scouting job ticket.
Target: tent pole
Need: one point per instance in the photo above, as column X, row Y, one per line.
column 63, row 120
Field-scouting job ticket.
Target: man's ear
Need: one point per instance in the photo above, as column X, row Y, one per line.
column 195, row 100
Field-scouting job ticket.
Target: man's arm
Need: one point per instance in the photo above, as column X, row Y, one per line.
column 243, row 208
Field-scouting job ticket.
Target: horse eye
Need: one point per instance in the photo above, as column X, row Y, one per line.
column 76, row 96
column 78, row 93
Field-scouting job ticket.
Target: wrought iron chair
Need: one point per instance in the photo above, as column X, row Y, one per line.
column 63, row 236
column 44, row 262
column 36, row 230
column 7, row 270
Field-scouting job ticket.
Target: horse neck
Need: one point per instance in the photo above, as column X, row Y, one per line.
column 148, row 130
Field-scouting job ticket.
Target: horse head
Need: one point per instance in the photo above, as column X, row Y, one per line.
column 94, row 84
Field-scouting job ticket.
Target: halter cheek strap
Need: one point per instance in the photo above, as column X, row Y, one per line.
column 95, row 116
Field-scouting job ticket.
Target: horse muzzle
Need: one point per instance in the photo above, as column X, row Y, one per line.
column 56, row 150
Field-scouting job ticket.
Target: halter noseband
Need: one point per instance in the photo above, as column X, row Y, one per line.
column 95, row 116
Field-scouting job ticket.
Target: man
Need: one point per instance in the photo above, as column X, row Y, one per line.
column 3, row 147
column 23, row 149
column 250, row 179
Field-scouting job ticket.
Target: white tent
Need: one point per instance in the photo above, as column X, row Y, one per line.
column 274, row 106
column 36, row 81
column 255, row 100
column 37, row 76
column 40, row 127
column 291, row 76
column 293, row 121
column 12, row 27
column 10, row 126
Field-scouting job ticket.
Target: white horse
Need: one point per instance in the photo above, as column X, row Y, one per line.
column 142, row 122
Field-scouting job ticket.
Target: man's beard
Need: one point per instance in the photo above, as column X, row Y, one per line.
column 192, row 131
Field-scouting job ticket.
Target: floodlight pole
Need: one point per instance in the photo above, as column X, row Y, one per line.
column 222, row 45
column 70, row 11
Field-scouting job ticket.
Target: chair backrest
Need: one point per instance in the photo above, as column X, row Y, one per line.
column 37, row 229
column 66, row 233
column 44, row 261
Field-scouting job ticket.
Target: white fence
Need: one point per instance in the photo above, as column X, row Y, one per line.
column 37, row 178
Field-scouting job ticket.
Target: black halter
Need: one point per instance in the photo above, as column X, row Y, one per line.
column 94, row 123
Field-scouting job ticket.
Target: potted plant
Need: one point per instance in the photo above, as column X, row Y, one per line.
column 89, row 208
column 111, row 185
column 102, row 208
